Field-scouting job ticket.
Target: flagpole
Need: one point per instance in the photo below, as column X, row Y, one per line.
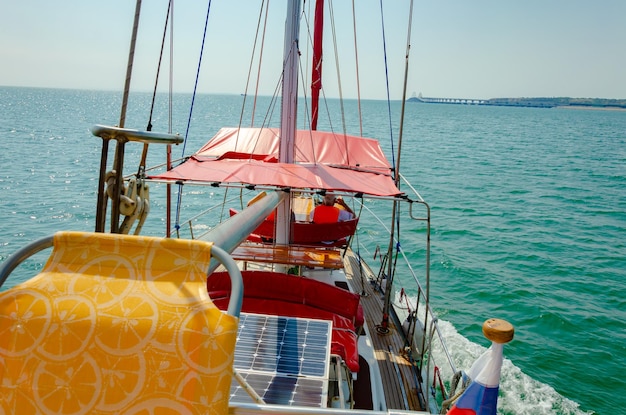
column 481, row 396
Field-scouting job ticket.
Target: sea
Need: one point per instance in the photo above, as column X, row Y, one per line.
column 528, row 218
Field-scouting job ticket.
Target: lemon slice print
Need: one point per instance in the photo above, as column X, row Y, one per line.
column 122, row 381
column 67, row 388
column 71, row 329
column 134, row 319
column 158, row 406
column 205, row 339
column 24, row 320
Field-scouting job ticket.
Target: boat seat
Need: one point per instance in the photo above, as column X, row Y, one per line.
column 116, row 324
column 307, row 233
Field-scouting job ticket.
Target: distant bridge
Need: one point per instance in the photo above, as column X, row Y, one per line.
column 462, row 101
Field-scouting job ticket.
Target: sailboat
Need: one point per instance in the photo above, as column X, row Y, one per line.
column 276, row 308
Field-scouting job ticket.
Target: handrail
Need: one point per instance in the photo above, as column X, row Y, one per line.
column 430, row 330
column 236, row 281
column 236, row 408
column 22, row 254
column 128, row 134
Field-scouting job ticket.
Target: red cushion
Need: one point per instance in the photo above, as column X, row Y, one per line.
column 293, row 289
column 308, row 233
column 288, row 295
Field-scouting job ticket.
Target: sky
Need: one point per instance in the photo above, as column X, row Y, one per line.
column 459, row 48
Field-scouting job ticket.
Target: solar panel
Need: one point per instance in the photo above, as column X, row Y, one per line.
column 284, row 359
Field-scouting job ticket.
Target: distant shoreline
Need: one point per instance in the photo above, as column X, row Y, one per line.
column 557, row 102
column 583, row 107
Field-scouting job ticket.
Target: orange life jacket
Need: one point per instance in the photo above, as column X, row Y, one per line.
column 325, row 214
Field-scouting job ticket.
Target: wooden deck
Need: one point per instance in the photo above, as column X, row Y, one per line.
column 400, row 385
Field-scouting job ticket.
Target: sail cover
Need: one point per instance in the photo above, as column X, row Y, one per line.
column 323, row 160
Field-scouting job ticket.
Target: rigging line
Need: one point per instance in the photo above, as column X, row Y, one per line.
column 343, row 112
column 168, row 149
column 258, row 75
column 307, row 115
column 193, row 98
column 270, row 111
column 322, row 91
column 256, row 91
column 382, row 21
column 272, row 105
column 195, row 87
column 306, row 17
column 245, row 96
column 334, row 33
column 156, row 80
column 406, row 74
column 395, row 210
column 171, row 79
column 400, row 132
column 307, row 20
column 304, row 70
column 306, row 82
column 358, row 81
column 330, row 121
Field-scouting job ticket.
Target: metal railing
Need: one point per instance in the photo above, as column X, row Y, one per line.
column 424, row 338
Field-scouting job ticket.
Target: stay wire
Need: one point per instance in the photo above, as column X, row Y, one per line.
column 144, row 154
column 156, row 80
column 195, row 87
column 382, row 21
column 358, row 81
column 193, row 99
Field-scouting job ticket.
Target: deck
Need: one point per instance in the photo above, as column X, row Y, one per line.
column 400, row 385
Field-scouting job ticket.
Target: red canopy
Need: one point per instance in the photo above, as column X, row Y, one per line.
column 323, row 160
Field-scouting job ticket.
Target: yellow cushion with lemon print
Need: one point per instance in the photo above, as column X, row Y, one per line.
column 116, row 324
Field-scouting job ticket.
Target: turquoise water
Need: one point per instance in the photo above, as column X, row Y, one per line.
column 528, row 216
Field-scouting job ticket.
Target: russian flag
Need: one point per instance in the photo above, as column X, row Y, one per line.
column 481, row 396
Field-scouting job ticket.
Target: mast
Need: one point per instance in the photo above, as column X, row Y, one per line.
column 289, row 108
column 316, row 71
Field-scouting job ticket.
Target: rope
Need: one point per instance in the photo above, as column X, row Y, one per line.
column 382, row 21
column 343, row 112
column 358, row 82
column 171, row 81
column 156, row 80
column 337, row 68
column 454, row 396
column 256, row 89
column 193, row 98
column 195, row 86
